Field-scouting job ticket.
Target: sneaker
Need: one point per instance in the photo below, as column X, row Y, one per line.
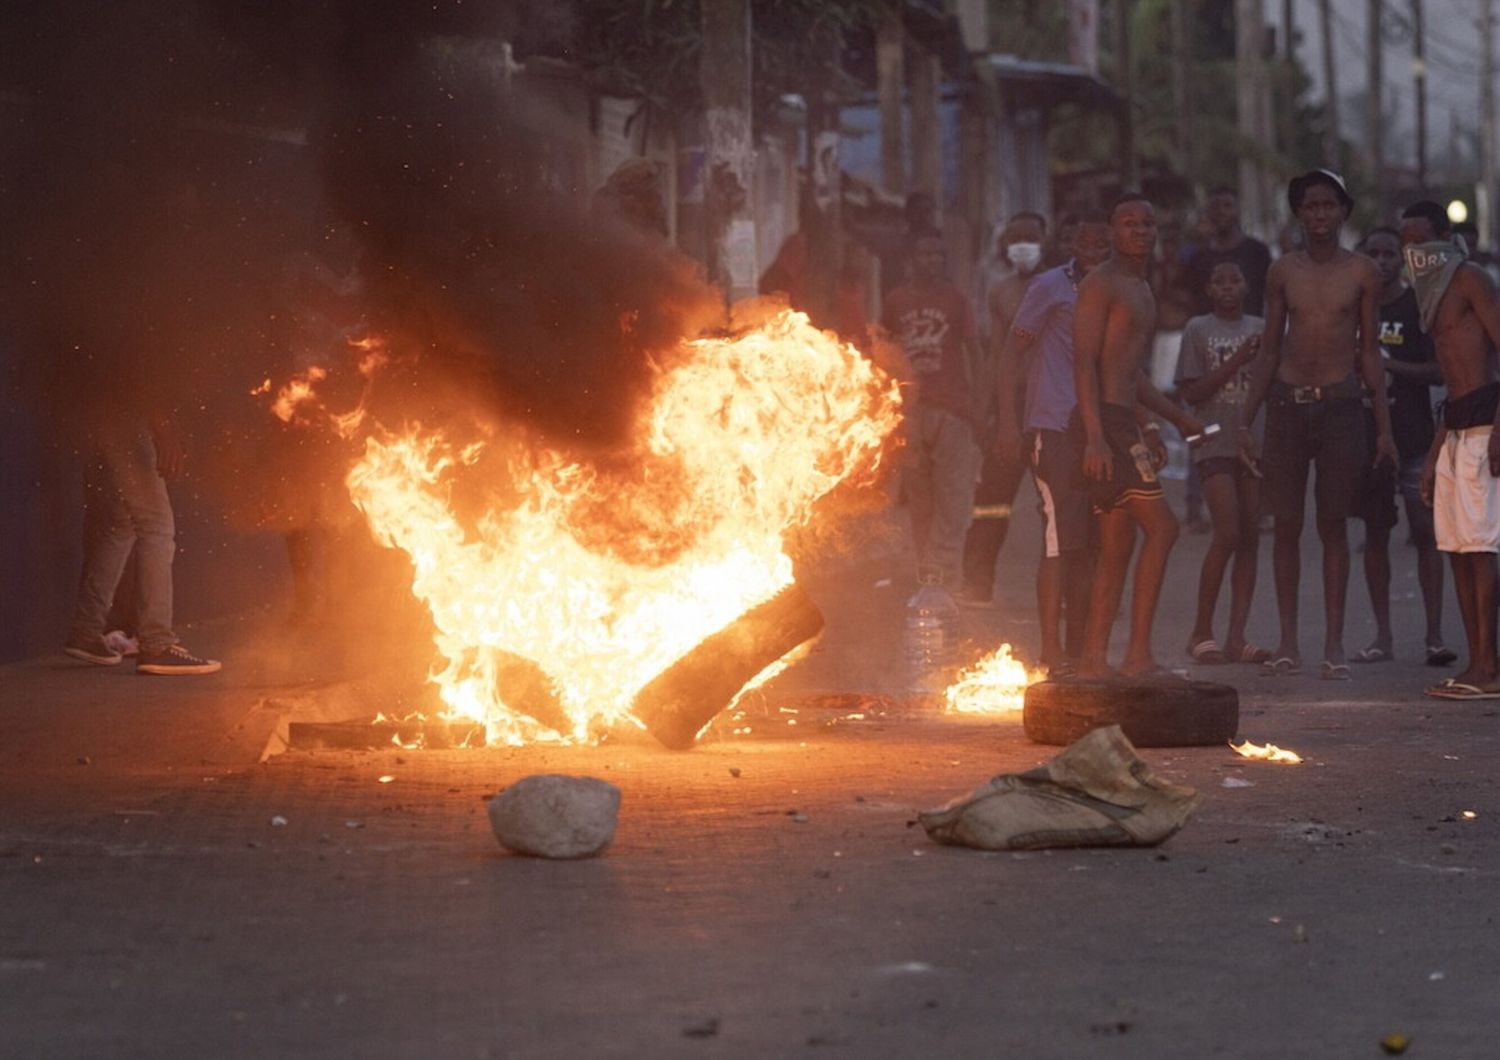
column 120, row 641
column 91, row 650
column 174, row 660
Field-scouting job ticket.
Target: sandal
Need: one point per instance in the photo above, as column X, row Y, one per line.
column 1207, row 653
column 1438, row 655
column 1285, row 666
column 1251, row 654
column 1331, row 671
column 1373, row 654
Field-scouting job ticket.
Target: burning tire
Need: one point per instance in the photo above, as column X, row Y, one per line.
column 1153, row 712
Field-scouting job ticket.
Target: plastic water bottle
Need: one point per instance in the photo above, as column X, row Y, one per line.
column 930, row 617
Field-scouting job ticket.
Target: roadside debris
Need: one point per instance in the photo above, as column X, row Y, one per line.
column 1266, row 753
column 1098, row 792
column 554, row 816
column 1395, row 1044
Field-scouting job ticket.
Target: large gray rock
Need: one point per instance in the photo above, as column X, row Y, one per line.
column 556, row 816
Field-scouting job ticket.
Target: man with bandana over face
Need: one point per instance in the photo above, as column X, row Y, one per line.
column 1461, row 476
column 1020, row 243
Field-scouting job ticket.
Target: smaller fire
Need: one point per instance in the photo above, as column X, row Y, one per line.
column 996, row 684
column 1266, row 753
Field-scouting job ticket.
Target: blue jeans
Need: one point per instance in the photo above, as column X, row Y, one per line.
column 131, row 511
column 942, row 470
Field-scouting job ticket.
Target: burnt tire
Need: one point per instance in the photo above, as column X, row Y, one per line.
column 1153, row 712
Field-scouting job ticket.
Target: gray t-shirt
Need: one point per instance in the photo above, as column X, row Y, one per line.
column 1207, row 342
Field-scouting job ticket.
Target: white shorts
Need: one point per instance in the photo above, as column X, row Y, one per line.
column 1466, row 497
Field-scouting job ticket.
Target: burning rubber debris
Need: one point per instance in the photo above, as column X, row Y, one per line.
column 996, row 684
column 586, row 593
column 1266, row 753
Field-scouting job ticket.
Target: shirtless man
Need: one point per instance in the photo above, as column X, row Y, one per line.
column 1462, row 315
column 1322, row 336
column 1112, row 331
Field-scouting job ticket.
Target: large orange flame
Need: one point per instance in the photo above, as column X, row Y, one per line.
column 605, row 580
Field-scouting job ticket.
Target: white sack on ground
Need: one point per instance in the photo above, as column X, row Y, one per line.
column 1096, row 793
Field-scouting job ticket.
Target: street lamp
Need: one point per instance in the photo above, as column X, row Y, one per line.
column 1458, row 211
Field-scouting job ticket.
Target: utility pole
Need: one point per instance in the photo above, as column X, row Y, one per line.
column 890, row 66
column 1374, row 118
column 1288, row 79
column 1489, row 204
column 1332, row 139
column 1419, row 75
column 1253, row 111
column 926, row 128
column 1182, row 60
column 729, row 149
column 1130, row 173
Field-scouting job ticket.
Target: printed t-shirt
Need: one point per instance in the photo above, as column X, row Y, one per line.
column 1402, row 339
column 1207, row 342
column 1046, row 311
column 932, row 325
column 1251, row 255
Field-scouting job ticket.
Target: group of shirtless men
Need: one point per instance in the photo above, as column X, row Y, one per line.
column 1312, row 367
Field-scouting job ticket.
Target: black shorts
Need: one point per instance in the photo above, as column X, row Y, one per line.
column 1210, row 466
column 1132, row 476
column 1418, row 515
column 1377, row 496
column 1057, row 466
column 1328, row 432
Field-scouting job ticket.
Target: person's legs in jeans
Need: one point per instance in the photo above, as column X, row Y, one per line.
column 954, row 462
column 109, row 536
column 137, row 513
column 916, row 483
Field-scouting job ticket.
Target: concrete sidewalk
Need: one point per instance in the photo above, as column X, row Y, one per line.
column 152, row 907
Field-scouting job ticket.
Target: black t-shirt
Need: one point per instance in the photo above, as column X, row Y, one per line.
column 1254, row 259
column 1402, row 338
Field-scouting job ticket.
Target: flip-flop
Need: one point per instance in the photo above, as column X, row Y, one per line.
column 1451, row 689
column 1438, row 655
column 1285, row 666
column 1207, row 653
column 1251, row 654
column 1331, row 671
column 1372, row 655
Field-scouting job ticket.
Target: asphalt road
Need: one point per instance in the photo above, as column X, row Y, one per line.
column 767, row 894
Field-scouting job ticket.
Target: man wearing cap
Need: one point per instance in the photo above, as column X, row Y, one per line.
column 1321, row 340
column 1459, row 478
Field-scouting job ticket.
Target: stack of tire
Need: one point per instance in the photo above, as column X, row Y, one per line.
column 1152, row 712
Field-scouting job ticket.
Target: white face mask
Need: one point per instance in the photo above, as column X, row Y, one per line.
column 1024, row 256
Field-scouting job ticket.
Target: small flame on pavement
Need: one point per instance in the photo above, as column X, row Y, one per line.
column 996, row 684
column 1266, row 752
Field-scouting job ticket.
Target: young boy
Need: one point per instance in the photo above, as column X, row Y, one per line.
column 1407, row 351
column 931, row 319
column 1213, row 376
